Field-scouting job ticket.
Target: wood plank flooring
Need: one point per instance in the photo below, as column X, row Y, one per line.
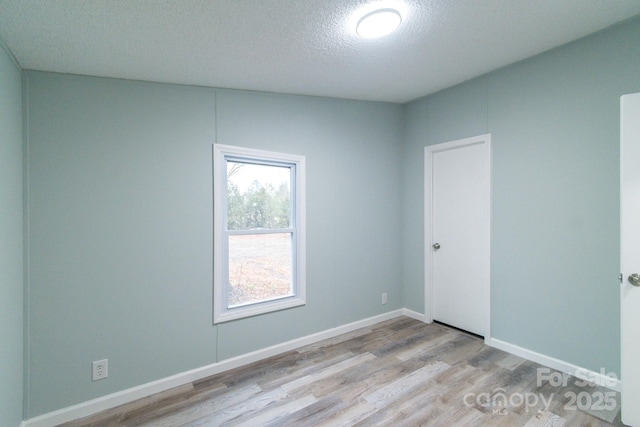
column 401, row 372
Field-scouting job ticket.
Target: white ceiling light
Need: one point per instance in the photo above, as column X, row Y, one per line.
column 378, row 23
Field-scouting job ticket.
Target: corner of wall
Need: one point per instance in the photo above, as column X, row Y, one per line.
column 11, row 243
column 25, row 243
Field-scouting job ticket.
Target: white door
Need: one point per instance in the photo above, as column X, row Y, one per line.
column 457, row 233
column 630, row 258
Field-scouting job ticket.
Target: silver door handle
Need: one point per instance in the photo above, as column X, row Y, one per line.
column 634, row 279
column 436, row 246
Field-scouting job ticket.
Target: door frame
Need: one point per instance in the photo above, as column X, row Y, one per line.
column 429, row 152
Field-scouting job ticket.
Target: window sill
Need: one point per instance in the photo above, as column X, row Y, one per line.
column 256, row 309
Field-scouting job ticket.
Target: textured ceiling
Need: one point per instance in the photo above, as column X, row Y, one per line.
column 295, row 46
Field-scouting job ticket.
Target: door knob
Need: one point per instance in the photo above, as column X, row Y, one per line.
column 634, row 279
column 436, row 246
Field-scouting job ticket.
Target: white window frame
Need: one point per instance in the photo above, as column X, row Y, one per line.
column 221, row 154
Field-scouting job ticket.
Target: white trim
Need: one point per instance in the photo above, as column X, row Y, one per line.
column 109, row 401
column 415, row 315
column 221, row 311
column 585, row 374
column 428, row 214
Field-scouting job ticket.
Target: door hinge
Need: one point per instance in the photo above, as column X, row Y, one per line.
column 620, row 278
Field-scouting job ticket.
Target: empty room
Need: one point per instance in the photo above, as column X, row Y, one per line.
column 372, row 213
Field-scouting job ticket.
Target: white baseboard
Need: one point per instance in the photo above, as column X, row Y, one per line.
column 109, row 401
column 599, row 378
column 414, row 315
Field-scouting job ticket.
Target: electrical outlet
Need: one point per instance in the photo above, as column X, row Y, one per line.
column 100, row 369
column 384, row 298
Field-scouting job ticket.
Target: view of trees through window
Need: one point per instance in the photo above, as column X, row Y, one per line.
column 259, row 207
column 258, row 196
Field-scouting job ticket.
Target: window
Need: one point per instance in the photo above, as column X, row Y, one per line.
column 259, row 232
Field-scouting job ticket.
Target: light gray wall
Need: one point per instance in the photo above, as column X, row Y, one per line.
column 352, row 151
column 11, row 247
column 554, row 121
column 120, row 236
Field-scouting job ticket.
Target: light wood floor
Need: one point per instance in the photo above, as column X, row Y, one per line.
column 397, row 373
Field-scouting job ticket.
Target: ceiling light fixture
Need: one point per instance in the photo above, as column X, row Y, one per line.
column 378, row 23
